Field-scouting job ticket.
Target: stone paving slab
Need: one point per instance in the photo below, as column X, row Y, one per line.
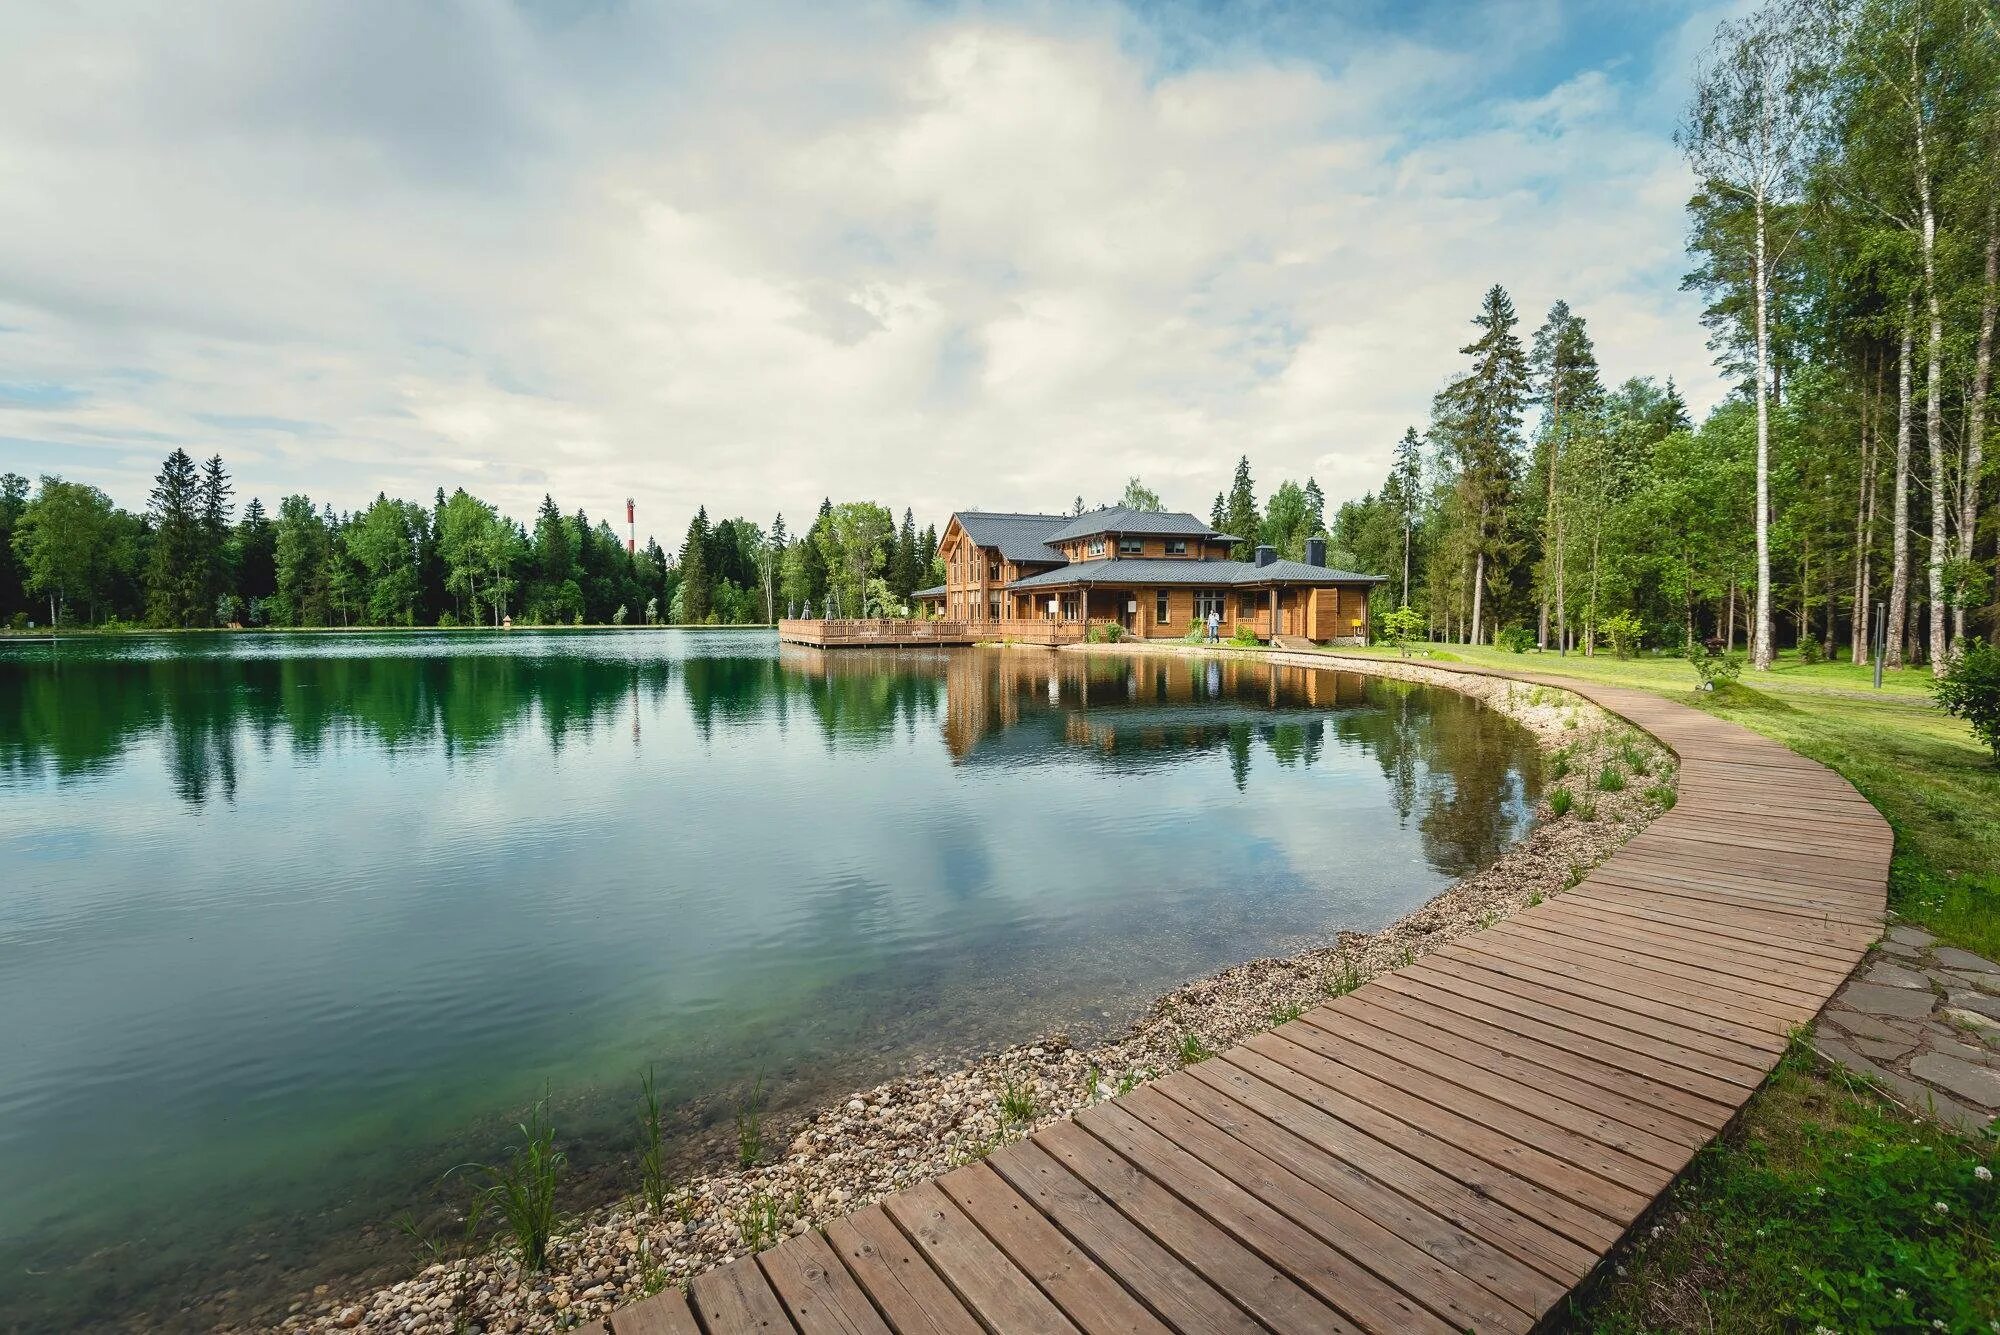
column 1917, row 1022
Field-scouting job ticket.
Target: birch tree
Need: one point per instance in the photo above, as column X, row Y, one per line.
column 1747, row 134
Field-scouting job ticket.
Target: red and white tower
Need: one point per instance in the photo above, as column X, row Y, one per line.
column 631, row 529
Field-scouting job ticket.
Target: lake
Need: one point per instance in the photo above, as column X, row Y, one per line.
column 292, row 924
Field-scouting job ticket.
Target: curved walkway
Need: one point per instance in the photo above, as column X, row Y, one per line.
column 1454, row 1146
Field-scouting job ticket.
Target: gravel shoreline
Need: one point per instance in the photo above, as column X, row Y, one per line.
column 880, row 1140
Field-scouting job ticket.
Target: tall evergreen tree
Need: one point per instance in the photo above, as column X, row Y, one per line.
column 1564, row 368
column 177, row 580
column 216, row 508
column 696, row 583
column 256, row 562
column 1479, row 418
column 1239, row 516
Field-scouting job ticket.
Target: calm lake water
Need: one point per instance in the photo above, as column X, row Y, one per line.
column 292, row 925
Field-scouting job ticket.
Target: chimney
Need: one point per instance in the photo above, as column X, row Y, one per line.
column 1315, row 551
column 1266, row 554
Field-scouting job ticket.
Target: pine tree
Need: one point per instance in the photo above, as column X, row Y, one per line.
column 177, row 582
column 1315, row 509
column 1479, row 418
column 256, row 561
column 1404, row 490
column 1217, row 513
column 1239, row 517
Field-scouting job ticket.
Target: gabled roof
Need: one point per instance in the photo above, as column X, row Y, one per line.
column 1124, row 519
column 1020, row 538
column 935, row 591
column 1156, row 570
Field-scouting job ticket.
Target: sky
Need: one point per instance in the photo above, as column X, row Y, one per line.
column 746, row 256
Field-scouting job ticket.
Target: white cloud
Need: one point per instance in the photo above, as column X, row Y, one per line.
column 938, row 260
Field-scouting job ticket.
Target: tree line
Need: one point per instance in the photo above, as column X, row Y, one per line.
column 69, row 556
column 1846, row 241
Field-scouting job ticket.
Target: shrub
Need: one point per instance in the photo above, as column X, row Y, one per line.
column 1401, row 626
column 1624, row 631
column 1970, row 689
column 1560, row 802
column 1713, row 663
column 447, row 620
column 1811, row 651
column 1517, row 639
column 1196, row 633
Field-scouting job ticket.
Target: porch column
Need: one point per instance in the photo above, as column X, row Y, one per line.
column 1084, row 607
column 1274, row 611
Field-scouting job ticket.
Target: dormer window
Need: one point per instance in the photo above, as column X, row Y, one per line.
column 1097, row 546
column 1176, row 546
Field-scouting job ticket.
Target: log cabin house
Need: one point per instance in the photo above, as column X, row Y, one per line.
column 1153, row 573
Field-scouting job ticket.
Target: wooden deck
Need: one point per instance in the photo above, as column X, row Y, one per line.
column 896, row 633
column 1454, row 1146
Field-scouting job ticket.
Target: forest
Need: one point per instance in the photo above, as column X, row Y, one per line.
column 70, row 557
column 1845, row 238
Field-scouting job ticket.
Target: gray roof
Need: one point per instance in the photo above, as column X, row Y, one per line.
column 1123, row 519
column 935, row 591
column 1019, row 537
column 1190, row 574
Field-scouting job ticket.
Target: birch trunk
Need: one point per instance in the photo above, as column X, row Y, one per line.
column 1933, row 408
column 1760, row 645
column 1899, row 551
column 1982, row 380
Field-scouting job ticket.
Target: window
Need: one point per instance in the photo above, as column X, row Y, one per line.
column 1176, row 546
column 993, row 571
column 1205, row 602
column 1130, row 546
column 1097, row 546
column 1160, row 607
column 1069, row 607
column 1247, row 605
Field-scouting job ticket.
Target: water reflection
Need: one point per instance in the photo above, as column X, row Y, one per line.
column 297, row 923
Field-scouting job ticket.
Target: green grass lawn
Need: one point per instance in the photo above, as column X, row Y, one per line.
column 1938, row 787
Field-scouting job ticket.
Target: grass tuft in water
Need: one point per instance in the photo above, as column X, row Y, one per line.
column 522, row 1191
column 652, row 1166
column 750, row 1126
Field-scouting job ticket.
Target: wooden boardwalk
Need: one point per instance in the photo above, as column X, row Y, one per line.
column 1454, row 1146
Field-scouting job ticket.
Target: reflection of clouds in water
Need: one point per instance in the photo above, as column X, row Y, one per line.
column 438, row 882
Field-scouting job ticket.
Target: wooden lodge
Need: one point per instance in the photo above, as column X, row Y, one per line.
column 1154, row 574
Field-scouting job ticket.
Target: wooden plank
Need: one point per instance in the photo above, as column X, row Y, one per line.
column 896, row 1278
column 978, row 1272
column 1182, row 1297
column 821, row 1296
column 1311, row 1114
column 1791, row 977
column 1587, row 1171
column 1060, row 1268
column 738, row 1297
column 1258, row 1287
column 1519, row 1284
column 1405, row 1269
column 1330, row 1275
column 665, row 1313
column 1407, row 1028
column 1628, row 970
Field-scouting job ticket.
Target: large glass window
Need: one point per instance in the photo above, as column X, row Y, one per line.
column 1176, row 546
column 1130, row 546
column 1206, row 601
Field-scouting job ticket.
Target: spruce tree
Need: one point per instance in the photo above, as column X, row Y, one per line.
column 215, row 515
column 1479, row 418
column 177, row 581
column 256, row 562
column 696, row 580
column 1315, row 508
column 1240, row 518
